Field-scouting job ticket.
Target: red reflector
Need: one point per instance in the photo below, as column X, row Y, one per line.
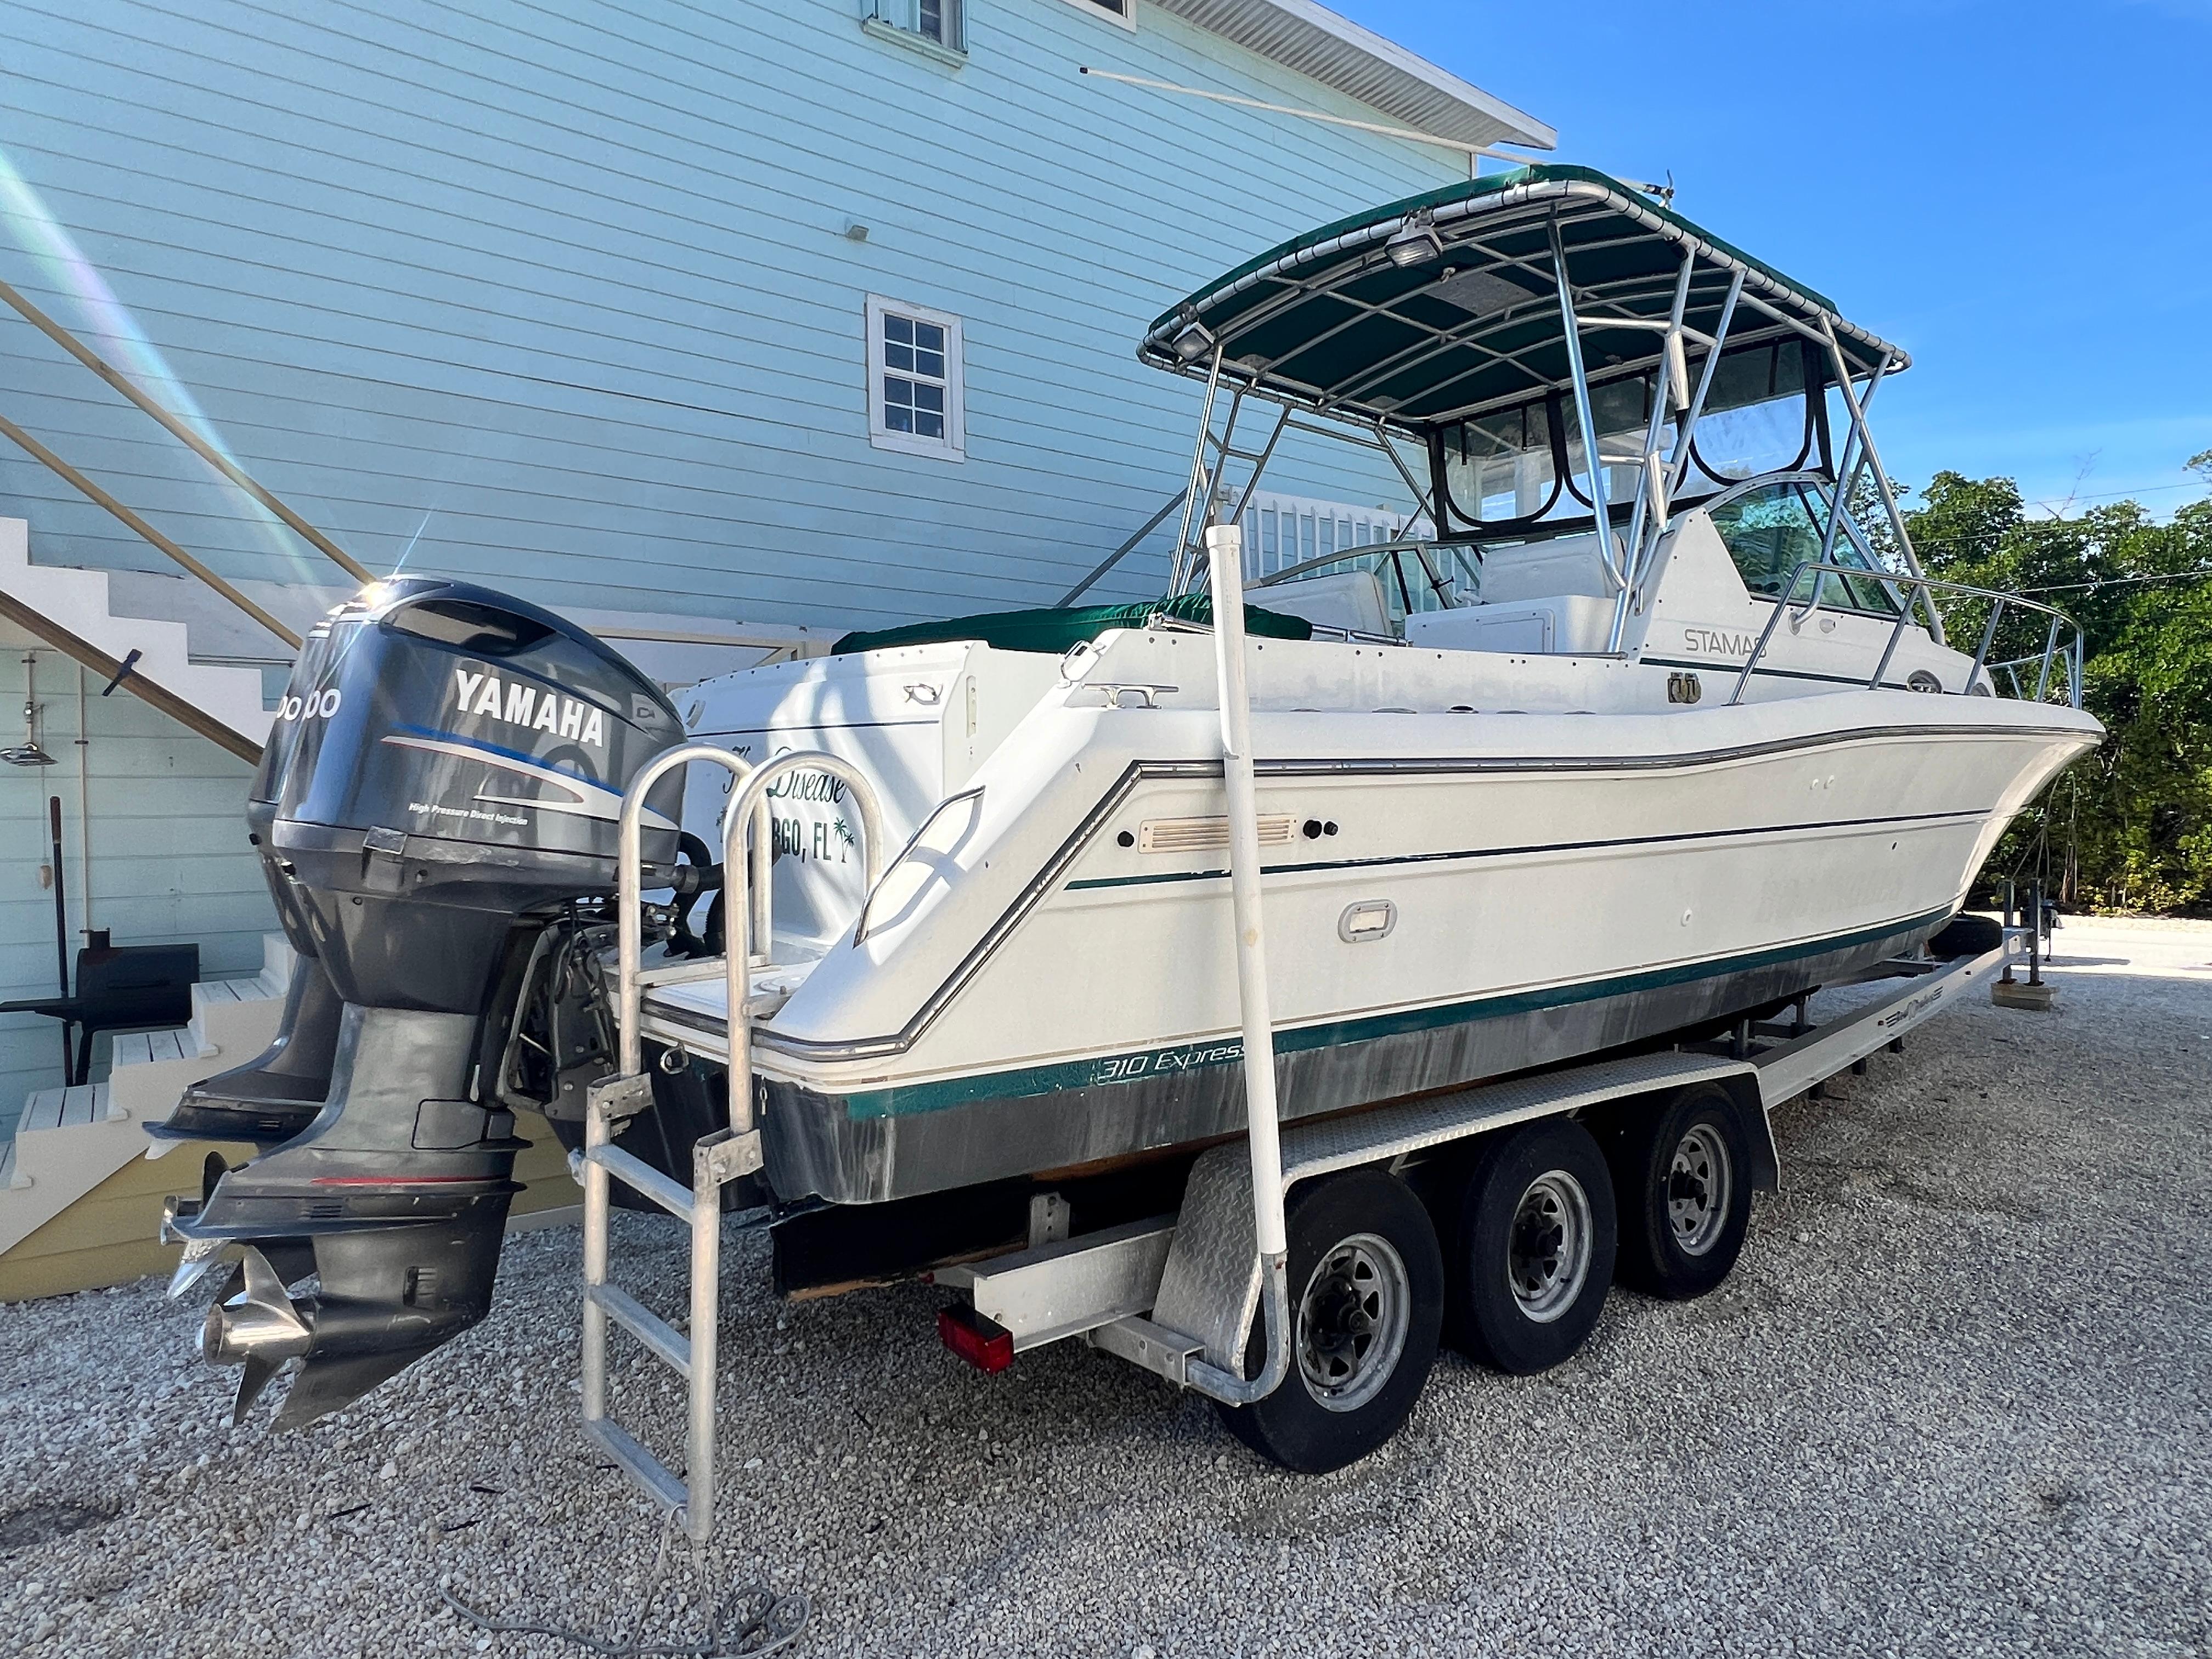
column 987, row 1346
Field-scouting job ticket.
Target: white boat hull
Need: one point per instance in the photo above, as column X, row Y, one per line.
column 1038, row 991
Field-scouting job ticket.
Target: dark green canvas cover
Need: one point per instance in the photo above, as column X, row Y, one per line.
column 1326, row 319
column 1056, row 631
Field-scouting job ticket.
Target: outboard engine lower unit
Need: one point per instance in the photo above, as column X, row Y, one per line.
column 442, row 784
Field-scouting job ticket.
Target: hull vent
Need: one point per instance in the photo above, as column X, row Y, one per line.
column 1208, row 835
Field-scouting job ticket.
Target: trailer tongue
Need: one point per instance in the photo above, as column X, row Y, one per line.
column 441, row 789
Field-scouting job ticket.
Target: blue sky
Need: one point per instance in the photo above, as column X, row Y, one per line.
column 2019, row 194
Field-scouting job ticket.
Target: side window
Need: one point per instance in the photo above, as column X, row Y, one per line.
column 1771, row 530
column 915, row 380
column 939, row 25
column 1123, row 12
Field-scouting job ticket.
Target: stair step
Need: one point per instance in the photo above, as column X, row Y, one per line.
column 77, row 600
column 153, row 1048
column 214, row 992
column 64, row 1108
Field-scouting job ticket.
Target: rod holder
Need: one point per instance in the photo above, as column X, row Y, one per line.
column 1224, row 552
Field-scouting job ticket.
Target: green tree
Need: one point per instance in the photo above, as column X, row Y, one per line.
column 2130, row 828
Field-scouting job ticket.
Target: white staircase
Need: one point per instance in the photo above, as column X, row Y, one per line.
column 71, row 1140
column 70, row 609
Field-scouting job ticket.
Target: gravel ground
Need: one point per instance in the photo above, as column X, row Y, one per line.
column 1956, row 1398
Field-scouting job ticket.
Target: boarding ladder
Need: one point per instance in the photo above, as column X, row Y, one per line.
column 728, row 1154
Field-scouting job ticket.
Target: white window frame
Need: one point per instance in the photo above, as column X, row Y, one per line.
column 1127, row 17
column 899, row 22
column 953, row 445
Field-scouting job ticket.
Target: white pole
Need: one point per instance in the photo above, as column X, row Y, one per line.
column 1225, row 552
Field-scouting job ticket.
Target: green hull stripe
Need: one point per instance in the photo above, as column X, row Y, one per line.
column 1109, row 1069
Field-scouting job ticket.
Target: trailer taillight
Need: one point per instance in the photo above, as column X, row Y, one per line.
column 989, row 1347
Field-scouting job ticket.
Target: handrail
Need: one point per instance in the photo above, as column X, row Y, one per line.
column 1419, row 546
column 750, row 798
column 100, row 497
column 718, row 1157
column 1924, row 588
column 192, row 440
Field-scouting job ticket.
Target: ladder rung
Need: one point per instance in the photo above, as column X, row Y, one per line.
column 672, row 1198
column 642, row 1466
column 673, row 1348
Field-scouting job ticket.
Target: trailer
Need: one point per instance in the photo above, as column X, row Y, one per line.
column 1303, row 1275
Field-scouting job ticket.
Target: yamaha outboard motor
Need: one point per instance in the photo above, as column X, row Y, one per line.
column 443, row 786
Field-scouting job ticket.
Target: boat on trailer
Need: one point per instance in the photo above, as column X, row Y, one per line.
column 1028, row 930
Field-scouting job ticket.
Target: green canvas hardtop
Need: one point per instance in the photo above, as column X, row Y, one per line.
column 1327, row 320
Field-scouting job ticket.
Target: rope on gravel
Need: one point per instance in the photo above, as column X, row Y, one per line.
column 768, row 1622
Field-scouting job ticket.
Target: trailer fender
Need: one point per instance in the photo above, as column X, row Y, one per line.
column 1210, row 1287
column 1758, row 1133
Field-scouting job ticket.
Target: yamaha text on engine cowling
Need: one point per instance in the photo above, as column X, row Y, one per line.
column 439, row 798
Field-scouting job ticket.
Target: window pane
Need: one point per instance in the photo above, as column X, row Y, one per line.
column 1500, row 466
column 1769, row 533
column 915, row 393
column 931, row 19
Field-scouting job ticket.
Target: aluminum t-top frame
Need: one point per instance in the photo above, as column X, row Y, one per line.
column 1491, row 297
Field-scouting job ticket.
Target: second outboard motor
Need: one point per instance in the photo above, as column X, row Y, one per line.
column 443, row 782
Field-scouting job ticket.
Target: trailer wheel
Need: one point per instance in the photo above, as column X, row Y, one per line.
column 1367, row 1293
column 1684, row 1181
column 1534, row 1252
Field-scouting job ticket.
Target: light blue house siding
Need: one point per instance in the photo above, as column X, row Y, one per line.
column 563, row 296
column 569, row 297
column 167, row 854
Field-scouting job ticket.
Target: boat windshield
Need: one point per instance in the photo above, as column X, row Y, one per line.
column 1771, row 528
column 1506, row 465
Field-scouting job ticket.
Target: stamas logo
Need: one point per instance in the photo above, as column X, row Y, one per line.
column 525, row 706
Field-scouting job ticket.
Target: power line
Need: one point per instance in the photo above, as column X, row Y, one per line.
column 2121, row 495
column 2122, row 581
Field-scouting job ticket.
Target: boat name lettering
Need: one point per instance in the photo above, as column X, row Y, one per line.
column 1127, row 1068
column 513, row 703
column 1720, row 644
column 807, row 786
column 824, row 840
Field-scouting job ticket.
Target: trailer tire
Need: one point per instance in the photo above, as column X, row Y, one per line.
column 1367, row 1298
column 1966, row 934
column 1683, row 1179
column 1533, row 1255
